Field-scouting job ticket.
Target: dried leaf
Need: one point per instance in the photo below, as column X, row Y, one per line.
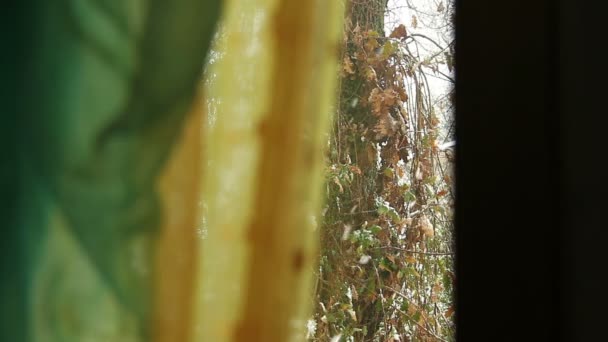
column 355, row 294
column 449, row 312
column 386, row 127
column 376, row 99
column 414, row 21
column 390, row 97
column 402, row 95
column 440, row 7
column 348, row 65
column 425, row 226
column 399, row 32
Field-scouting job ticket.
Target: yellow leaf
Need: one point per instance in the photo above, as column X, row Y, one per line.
column 370, row 74
column 348, row 65
column 371, row 44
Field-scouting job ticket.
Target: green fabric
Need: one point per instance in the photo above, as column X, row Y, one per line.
column 109, row 84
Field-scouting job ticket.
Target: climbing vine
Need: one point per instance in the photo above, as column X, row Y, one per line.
column 386, row 259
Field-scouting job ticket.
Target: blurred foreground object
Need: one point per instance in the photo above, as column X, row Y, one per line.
column 273, row 87
column 110, row 85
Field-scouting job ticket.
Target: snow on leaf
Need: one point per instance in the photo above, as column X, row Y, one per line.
column 346, row 233
column 336, row 338
column 365, row 259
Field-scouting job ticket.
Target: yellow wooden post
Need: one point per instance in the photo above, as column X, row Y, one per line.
column 274, row 87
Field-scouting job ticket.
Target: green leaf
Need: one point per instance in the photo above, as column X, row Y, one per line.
column 409, row 196
column 383, row 209
column 375, row 229
column 389, row 172
column 394, row 215
column 416, row 316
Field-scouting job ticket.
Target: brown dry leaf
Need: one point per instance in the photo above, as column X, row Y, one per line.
column 402, row 95
column 376, row 99
column 360, row 56
column 434, row 121
column 414, row 21
column 449, row 312
column 425, row 226
column 410, row 259
column 400, row 171
column 399, row 32
column 385, row 127
column 348, row 65
column 440, row 7
column 390, row 96
column 355, row 169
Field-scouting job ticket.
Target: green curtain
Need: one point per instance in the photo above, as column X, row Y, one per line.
column 108, row 86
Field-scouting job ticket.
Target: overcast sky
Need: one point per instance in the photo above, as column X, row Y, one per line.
column 432, row 22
